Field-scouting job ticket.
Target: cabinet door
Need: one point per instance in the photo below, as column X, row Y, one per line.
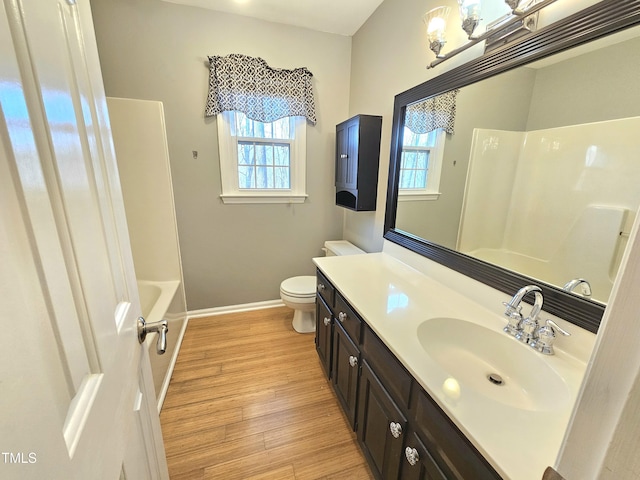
column 347, row 139
column 417, row 463
column 344, row 371
column 342, row 153
column 381, row 426
column 324, row 326
column 453, row 452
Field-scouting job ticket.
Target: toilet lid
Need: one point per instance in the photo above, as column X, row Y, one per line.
column 304, row 286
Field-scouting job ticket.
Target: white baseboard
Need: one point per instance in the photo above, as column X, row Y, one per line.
column 245, row 307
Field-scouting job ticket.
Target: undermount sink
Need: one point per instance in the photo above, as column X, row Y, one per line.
column 492, row 364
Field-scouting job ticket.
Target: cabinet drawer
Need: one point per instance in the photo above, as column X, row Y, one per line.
column 451, row 450
column 325, row 289
column 387, row 367
column 346, row 317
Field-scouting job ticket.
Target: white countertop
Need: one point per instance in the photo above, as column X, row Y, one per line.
column 393, row 298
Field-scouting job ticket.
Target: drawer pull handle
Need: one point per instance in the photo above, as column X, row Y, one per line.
column 412, row 456
column 396, row 429
column 353, row 361
column 327, row 321
column 344, row 155
column 342, row 316
column 321, row 287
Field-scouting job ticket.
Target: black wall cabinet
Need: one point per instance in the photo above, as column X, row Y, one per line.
column 357, row 161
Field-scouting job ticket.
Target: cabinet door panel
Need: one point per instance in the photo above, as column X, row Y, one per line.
column 345, row 368
column 324, row 326
column 417, row 463
column 381, row 426
column 454, row 453
column 353, row 140
column 342, row 155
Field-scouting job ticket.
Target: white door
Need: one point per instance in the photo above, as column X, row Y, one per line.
column 76, row 399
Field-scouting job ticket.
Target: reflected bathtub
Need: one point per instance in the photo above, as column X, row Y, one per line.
column 155, row 300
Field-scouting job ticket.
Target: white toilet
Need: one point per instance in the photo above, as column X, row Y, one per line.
column 299, row 293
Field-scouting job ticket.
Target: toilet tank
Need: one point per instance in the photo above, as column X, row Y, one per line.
column 340, row 247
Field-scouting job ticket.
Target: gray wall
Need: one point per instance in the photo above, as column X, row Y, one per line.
column 610, row 93
column 231, row 254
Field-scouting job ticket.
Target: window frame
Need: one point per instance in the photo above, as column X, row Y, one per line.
column 434, row 169
column 228, row 150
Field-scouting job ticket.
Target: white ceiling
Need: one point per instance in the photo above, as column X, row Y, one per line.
column 343, row 17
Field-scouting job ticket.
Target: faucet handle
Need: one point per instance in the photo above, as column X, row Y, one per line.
column 514, row 317
column 547, row 336
column 511, row 310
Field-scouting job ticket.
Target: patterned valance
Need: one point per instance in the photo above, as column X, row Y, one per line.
column 432, row 113
column 247, row 84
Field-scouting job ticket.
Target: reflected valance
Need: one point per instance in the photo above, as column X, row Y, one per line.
column 249, row 85
column 432, row 113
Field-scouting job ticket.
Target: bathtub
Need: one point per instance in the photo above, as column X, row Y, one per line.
column 155, row 300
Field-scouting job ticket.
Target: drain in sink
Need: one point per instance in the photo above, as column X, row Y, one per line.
column 495, row 379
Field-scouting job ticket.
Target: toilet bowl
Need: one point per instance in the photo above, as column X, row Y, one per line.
column 299, row 293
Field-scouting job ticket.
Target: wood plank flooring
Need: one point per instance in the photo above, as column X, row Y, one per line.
column 249, row 400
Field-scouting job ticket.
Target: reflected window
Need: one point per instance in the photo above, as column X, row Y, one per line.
column 420, row 165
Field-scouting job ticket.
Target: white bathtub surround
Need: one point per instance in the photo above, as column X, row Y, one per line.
column 143, row 162
column 596, row 161
column 396, row 298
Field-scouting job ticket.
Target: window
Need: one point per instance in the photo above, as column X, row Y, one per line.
column 420, row 165
column 262, row 162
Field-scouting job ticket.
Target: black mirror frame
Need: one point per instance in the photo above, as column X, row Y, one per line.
column 597, row 21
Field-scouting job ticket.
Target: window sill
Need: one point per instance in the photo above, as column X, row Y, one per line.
column 418, row 197
column 257, row 198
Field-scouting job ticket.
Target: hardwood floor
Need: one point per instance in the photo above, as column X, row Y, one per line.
column 248, row 399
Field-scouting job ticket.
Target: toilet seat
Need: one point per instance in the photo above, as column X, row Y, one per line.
column 300, row 288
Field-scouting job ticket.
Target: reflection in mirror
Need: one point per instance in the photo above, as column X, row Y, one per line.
column 541, row 175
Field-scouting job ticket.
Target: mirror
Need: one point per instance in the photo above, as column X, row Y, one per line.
column 538, row 182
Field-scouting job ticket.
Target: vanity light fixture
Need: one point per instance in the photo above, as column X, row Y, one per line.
column 523, row 18
column 470, row 15
column 436, row 21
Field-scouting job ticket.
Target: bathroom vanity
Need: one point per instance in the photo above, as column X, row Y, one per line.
column 399, row 348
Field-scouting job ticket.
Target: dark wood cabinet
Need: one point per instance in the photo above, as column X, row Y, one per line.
column 357, row 162
column 417, row 462
column 381, row 426
column 380, row 398
column 452, row 451
column 324, row 330
column 345, row 372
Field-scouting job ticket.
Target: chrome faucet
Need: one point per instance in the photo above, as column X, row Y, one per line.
column 586, row 288
column 546, row 336
column 523, row 329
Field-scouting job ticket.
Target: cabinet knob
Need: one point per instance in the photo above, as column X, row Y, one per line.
column 344, row 155
column 342, row 316
column 396, row 429
column 412, row 456
column 353, row 361
column 321, row 287
column 327, row 321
